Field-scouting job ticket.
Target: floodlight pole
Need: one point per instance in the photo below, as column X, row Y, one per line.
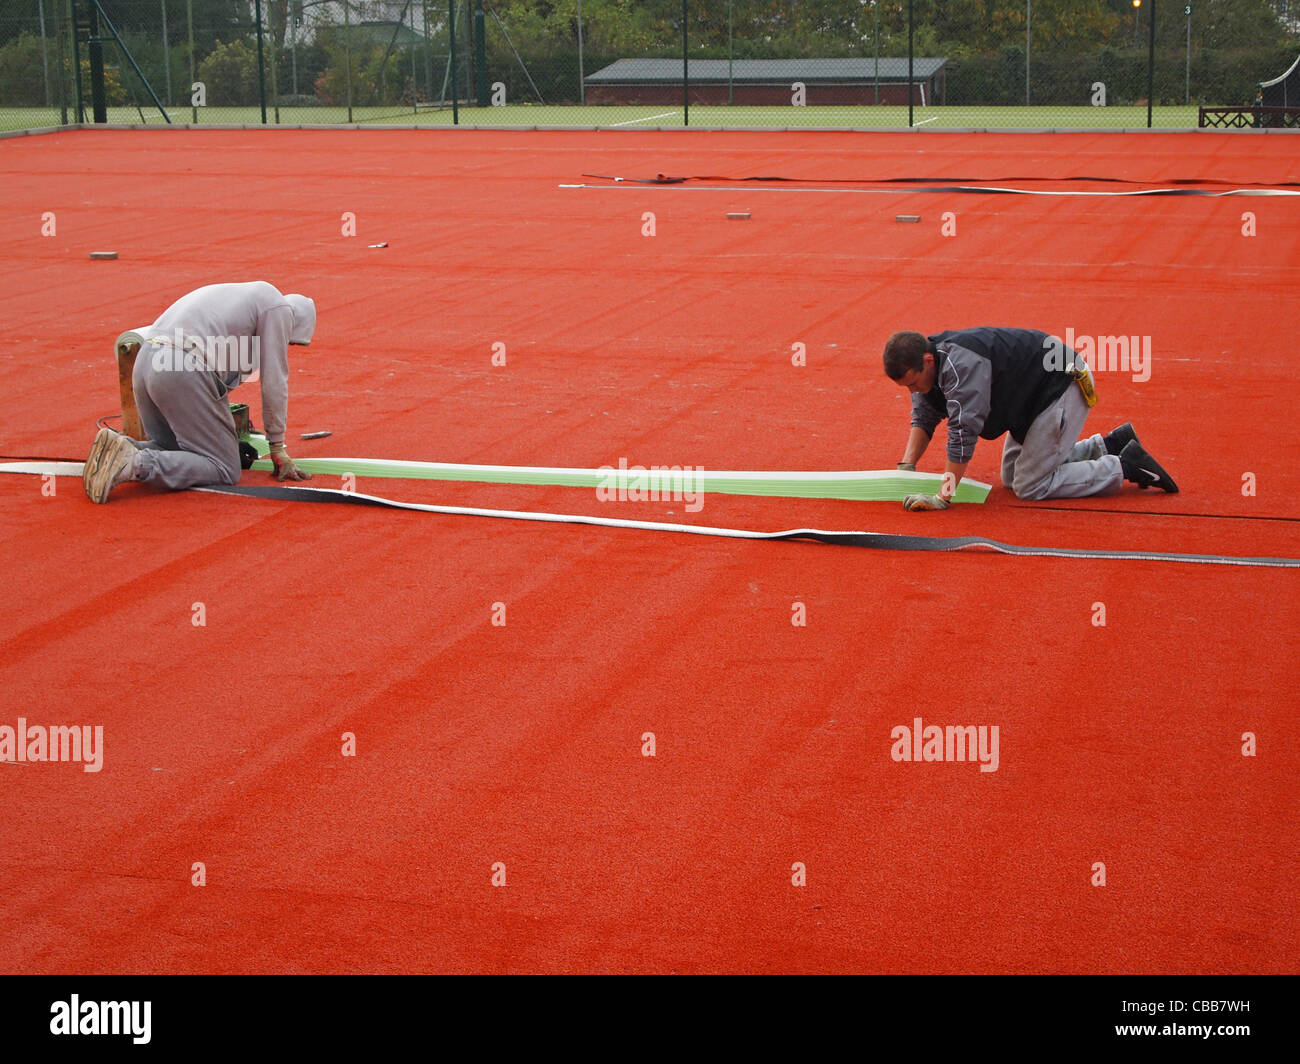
column 1151, row 64
column 451, row 24
column 686, row 79
column 731, row 92
column 167, row 54
column 582, row 80
column 911, row 91
column 1187, row 92
column 478, row 30
column 261, row 63
column 347, row 34
column 189, row 33
column 875, row 9
column 1029, row 13
column 60, row 35
column 76, row 60
column 45, row 59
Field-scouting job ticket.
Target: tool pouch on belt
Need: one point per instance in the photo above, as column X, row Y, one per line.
column 1083, row 378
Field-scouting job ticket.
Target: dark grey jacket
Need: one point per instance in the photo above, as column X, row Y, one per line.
column 989, row 381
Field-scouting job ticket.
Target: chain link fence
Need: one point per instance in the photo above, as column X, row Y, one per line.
column 649, row 63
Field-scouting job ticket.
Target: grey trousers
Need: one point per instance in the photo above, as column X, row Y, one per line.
column 191, row 434
column 1053, row 463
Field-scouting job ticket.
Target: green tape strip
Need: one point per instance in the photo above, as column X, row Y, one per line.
column 868, row 485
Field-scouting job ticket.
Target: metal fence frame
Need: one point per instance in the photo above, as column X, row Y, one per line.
column 82, row 97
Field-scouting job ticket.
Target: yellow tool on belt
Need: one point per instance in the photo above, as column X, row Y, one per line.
column 1083, row 378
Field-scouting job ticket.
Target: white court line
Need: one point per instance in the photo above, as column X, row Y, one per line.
column 634, row 121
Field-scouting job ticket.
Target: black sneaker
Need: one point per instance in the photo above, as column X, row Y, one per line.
column 1117, row 439
column 1144, row 470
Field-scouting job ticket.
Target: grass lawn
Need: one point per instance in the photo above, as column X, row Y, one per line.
column 883, row 117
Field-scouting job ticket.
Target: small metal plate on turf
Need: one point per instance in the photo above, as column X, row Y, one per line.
column 103, row 254
column 738, row 216
column 907, row 217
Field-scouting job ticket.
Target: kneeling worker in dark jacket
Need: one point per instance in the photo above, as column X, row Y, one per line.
column 990, row 381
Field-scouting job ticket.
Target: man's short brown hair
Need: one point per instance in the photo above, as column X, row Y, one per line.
column 905, row 351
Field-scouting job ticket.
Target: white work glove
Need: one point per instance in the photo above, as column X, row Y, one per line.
column 925, row 502
column 284, row 467
column 907, row 467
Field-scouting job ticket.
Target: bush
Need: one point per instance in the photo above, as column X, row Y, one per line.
column 1217, row 77
column 374, row 81
column 22, row 75
column 230, row 75
column 114, row 92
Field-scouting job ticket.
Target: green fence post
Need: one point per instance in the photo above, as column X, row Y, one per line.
column 911, row 30
column 60, row 32
column 582, row 81
column 275, row 83
column 451, row 26
column 261, row 65
column 686, row 75
column 428, row 52
column 189, row 26
column 45, row 55
column 76, row 60
column 167, row 55
column 480, row 53
column 1151, row 63
column 347, row 32
column 95, row 48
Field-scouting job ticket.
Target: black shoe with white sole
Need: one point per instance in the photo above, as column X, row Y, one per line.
column 1144, row 470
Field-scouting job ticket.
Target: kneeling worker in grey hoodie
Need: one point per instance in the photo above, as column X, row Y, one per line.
column 202, row 346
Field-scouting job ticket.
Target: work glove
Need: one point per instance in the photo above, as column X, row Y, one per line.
column 284, row 467
column 925, row 502
column 907, row 467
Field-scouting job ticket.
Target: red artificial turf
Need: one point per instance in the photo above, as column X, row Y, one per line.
column 522, row 744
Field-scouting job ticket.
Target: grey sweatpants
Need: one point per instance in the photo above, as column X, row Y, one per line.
column 191, row 433
column 1053, row 463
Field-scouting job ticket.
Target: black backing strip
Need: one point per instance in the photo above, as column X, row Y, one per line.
column 870, row 540
column 663, row 179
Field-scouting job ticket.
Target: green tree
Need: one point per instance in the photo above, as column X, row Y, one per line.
column 22, row 72
column 230, row 75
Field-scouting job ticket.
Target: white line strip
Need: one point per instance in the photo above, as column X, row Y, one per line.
column 58, row 469
column 634, row 121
